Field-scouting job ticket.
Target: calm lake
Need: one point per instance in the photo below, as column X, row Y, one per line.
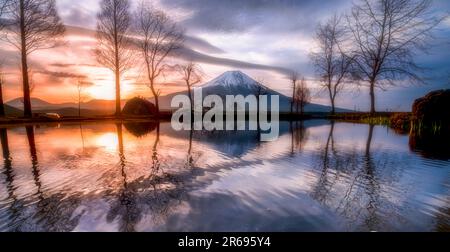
column 318, row 176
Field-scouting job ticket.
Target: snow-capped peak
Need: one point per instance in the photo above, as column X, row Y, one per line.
column 233, row 79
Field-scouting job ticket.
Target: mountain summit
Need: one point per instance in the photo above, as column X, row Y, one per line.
column 234, row 82
column 238, row 83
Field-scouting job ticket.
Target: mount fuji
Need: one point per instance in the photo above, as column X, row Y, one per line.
column 238, row 83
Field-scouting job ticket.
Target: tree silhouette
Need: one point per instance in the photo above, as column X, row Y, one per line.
column 387, row 35
column 302, row 96
column 294, row 78
column 32, row 25
column 192, row 75
column 333, row 64
column 159, row 37
column 113, row 41
column 3, row 7
column 2, row 105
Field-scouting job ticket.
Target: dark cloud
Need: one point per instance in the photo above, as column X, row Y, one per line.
column 238, row 15
column 202, row 45
column 64, row 65
column 191, row 41
column 192, row 55
column 61, row 74
column 189, row 52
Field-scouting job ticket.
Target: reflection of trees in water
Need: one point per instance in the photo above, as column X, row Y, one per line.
column 372, row 186
column 16, row 205
column 141, row 129
column 431, row 145
column 34, row 161
column 299, row 136
column 323, row 187
column 350, row 183
column 159, row 192
column 52, row 213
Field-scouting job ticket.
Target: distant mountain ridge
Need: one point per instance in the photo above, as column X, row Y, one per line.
column 93, row 107
column 238, row 83
column 229, row 83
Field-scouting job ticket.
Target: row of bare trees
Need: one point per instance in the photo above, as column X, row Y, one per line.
column 373, row 45
column 157, row 37
column 301, row 94
column 31, row 25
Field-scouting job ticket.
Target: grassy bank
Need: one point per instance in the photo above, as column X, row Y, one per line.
column 366, row 118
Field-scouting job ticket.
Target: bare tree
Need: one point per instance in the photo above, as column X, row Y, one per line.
column 333, row 64
column 3, row 8
column 32, row 25
column 159, row 37
column 294, row 78
column 192, row 75
column 387, row 34
column 81, row 85
column 114, row 46
column 302, row 96
column 2, row 105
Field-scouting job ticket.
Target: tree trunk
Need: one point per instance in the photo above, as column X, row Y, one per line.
column 2, row 106
column 330, row 92
column 369, row 140
column 155, row 94
column 293, row 99
column 372, row 97
column 26, row 84
column 117, row 63
column 191, row 99
column 333, row 107
column 118, row 99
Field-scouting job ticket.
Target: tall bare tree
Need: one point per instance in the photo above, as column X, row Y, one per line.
column 2, row 105
column 192, row 75
column 32, row 25
column 332, row 61
column 159, row 37
column 302, row 96
column 387, row 35
column 3, row 8
column 294, row 78
column 114, row 45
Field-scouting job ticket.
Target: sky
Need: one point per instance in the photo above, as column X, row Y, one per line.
column 266, row 39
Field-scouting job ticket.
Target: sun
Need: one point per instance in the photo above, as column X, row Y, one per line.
column 106, row 89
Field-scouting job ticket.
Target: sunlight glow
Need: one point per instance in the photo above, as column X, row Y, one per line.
column 108, row 141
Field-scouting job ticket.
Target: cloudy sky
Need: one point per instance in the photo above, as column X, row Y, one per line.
column 264, row 38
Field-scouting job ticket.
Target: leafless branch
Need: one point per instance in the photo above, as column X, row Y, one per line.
column 159, row 37
column 387, row 36
column 332, row 60
column 114, row 43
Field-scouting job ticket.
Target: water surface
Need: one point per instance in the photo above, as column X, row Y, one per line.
column 318, row 176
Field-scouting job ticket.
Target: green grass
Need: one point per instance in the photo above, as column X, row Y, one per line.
column 364, row 118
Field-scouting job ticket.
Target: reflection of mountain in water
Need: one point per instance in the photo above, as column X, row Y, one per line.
column 238, row 143
column 340, row 186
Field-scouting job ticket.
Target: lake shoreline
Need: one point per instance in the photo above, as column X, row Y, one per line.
column 365, row 118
